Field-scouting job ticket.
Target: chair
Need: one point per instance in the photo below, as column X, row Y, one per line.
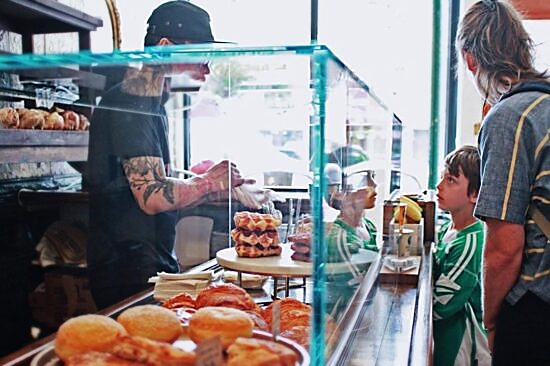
column 193, row 240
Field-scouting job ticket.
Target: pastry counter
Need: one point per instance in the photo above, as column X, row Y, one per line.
column 386, row 323
column 305, row 110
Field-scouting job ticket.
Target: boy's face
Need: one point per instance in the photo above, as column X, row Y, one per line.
column 363, row 198
column 452, row 192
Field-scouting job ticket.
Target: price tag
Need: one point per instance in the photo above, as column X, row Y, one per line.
column 209, row 352
column 276, row 320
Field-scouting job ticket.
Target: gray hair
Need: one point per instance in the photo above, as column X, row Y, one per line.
column 493, row 33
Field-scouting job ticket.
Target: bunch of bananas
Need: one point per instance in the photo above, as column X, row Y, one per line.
column 413, row 213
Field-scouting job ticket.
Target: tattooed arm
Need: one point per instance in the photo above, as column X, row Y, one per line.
column 155, row 192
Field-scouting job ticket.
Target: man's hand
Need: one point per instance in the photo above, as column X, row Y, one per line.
column 219, row 179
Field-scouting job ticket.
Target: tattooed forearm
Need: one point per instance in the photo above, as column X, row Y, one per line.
column 154, row 192
column 146, row 82
column 148, row 175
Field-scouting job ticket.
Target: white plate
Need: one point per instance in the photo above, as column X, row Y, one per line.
column 284, row 265
column 46, row 357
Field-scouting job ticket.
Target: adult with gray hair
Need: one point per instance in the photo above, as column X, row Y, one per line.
column 515, row 184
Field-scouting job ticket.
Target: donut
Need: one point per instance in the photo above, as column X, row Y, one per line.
column 227, row 323
column 86, row 333
column 152, row 322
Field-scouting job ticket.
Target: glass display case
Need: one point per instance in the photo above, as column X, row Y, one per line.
column 316, row 140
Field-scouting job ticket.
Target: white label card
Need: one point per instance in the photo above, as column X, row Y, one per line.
column 209, row 352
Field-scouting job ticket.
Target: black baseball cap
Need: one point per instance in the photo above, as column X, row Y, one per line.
column 180, row 21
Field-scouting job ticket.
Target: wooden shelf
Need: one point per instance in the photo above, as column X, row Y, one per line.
column 30, row 146
column 44, row 16
column 29, row 17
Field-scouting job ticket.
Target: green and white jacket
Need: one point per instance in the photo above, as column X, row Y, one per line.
column 459, row 338
column 343, row 241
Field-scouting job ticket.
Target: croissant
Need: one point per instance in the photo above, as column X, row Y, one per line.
column 152, row 352
column 293, row 313
column 53, row 121
column 72, row 120
column 226, row 294
column 31, row 118
column 84, row 123
column 9, row 118
column 257, row 352
column 183, row 300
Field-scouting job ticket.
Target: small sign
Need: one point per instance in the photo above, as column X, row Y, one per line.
column 209, row 352
column 276, row 320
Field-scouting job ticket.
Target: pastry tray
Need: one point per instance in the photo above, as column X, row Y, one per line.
column 47, row 357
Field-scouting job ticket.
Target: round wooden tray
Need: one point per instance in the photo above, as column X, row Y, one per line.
column 47, row 357
column 283, row 265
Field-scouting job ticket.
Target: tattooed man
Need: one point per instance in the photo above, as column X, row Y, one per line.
column 133, row 199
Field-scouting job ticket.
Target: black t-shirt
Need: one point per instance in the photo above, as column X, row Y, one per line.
column 126, row 246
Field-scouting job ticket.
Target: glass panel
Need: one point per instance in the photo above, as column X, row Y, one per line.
column 293, row 118
column 394, row 42
column 263, row 103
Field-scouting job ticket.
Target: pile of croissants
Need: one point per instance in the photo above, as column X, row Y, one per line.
column 38, row 119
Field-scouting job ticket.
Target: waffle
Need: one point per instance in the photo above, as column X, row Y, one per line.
column 256, row 235
column 265, row 239
column 255, row 221
column 252, row 251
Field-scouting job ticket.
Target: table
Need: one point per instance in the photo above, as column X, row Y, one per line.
column 283, row 266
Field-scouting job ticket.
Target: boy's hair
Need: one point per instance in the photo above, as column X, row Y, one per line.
column 467, row 159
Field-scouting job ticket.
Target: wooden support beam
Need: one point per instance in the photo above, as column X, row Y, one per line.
column 533, row 9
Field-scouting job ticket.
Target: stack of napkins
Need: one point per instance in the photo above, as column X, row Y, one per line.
column 249, row 281
column 168, row 285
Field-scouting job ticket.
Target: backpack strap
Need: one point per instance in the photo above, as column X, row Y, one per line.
column 538, row 86
column 534, row 212
column 541, row 220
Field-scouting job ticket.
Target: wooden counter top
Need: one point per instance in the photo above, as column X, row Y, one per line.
column 396, row 323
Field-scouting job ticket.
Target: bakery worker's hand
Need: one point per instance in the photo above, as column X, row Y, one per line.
column 219, row 179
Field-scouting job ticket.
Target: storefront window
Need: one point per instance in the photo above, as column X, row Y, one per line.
column 388, row 44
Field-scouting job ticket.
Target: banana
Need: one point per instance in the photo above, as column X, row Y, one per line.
column 410, row 202
column 414, row 211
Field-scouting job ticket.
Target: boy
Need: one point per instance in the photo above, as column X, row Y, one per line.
column 459, row 338
column 351, row 230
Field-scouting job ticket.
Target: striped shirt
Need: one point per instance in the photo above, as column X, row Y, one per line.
column 458, row 335
column 343, row 241
column 515, row 171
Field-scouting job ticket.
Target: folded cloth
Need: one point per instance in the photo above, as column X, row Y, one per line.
column 250, row 281
column 167, row 289
column 206, row 275
column 168, row 285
